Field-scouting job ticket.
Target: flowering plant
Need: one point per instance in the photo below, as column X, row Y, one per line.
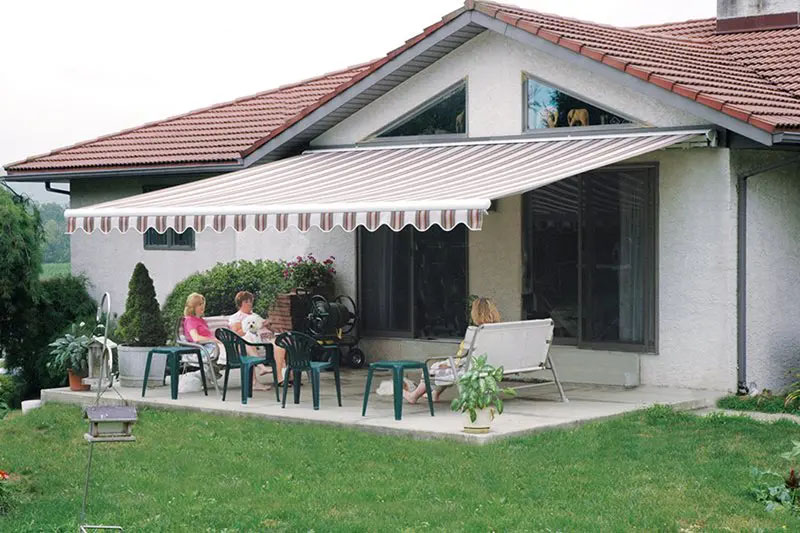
column 7, row 497
column 307, row 272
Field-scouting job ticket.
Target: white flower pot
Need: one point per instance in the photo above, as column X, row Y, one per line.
column 29, row 405
column 132, row 360
column 482, row 421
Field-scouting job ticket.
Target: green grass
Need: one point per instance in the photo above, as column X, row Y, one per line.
column 50, row 270
column 765, row 403
column 649, row 471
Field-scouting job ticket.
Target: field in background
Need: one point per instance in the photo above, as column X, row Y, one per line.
column 50, row 270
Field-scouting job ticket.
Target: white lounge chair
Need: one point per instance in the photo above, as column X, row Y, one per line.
column 519, row 347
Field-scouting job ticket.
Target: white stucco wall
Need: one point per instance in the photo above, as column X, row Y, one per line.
column 773, row 267
column 493, row 66
column 108, row 260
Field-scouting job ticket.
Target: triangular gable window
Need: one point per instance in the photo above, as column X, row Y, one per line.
column 444, row 114
column 550, row 108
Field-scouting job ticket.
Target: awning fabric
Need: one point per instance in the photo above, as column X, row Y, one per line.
column 420, row 185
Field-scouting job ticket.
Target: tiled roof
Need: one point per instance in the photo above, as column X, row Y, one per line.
column 216, row 134
column 753, row 77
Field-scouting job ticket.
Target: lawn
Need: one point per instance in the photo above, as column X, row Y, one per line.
column 50, row 270
column 652, row 470
column 765, row 403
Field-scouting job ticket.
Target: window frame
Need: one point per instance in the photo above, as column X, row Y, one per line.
column 633, row 123
column 411, row 333
column 651, row 260
column 170, row 233
column 424, row 106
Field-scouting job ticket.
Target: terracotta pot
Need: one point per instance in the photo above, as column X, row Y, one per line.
column 75, row 382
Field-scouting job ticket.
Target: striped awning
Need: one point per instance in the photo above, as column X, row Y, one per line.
column 445, row 184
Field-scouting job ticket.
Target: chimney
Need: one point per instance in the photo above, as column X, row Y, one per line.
column 736, row 16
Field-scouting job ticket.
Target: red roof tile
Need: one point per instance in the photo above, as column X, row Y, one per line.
column 752, row 76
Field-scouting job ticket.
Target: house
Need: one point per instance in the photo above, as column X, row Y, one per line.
column 639, row 185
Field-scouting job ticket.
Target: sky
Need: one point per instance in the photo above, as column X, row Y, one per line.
column 73, row 71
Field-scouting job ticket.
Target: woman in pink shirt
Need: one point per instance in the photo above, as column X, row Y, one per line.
column 195, row 327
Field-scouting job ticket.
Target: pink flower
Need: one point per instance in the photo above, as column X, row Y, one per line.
column 299, row 258
column 313, row 260
column 4, row 474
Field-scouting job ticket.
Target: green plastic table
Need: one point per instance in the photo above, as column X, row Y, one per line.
column 397, row 368
column 174, row 354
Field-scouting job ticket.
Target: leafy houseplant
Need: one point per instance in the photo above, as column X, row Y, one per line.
column 71, row 355
column 480, row 394
column 140, row 329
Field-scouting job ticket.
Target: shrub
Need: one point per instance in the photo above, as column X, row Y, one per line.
column 10, row 391
column 220, row 284
column 20, row 264
column 308, row 273
column 63, row 300
column 70, row 352
column 140, row 324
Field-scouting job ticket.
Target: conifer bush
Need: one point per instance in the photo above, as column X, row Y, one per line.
column 141, row 323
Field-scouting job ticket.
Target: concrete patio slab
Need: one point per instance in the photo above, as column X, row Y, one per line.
column 533, row 410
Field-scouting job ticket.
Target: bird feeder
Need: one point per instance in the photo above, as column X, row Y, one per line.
column 110, row 424
column 97, row 360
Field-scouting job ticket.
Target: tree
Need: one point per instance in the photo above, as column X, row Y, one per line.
column 56, row 240
column 140, row 324
column 20, row 265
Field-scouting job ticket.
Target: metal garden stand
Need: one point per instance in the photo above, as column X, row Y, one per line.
column 106, row 423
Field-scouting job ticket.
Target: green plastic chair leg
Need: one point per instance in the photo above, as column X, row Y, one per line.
column 338, row 385
column 275, row 381
column 146, row 371
column 366, row 392
column 245, row 384
column 315, row 387
column 428, row 387
column 298, row 376
column 225, row 385
column 397, row 377
column 174, row 374
column 285, row 389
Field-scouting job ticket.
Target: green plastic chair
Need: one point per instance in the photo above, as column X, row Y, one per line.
column 236, row 357
column 301, row 350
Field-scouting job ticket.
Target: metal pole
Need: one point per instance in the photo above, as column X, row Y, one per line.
column 86, row 486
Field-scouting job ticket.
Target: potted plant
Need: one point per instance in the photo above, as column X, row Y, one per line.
column 71, row 355
column 306, row 276
column 139, row 330
column 479, row 395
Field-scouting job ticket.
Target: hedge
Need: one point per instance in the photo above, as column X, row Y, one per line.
column 220, row 284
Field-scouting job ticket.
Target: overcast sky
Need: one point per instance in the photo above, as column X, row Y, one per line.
column 74, row 70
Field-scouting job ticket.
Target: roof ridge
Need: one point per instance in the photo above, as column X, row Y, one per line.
column 587, row 22
column 189, row 113
column 664, row 24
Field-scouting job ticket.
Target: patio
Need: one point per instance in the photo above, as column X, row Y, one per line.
column 533, row 410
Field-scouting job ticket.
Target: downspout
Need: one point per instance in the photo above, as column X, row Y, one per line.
column 741, row 272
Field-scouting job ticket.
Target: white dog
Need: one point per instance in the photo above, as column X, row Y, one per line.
column 251, row 325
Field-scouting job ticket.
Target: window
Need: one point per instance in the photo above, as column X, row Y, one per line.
column 547, row 107
column 445, row 114
column 169, row 240
column 590, row 258
column 413, row 283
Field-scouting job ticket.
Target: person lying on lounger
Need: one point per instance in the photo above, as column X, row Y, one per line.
column 483, row 311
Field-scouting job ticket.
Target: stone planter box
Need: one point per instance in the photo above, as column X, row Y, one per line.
column 132, row 360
